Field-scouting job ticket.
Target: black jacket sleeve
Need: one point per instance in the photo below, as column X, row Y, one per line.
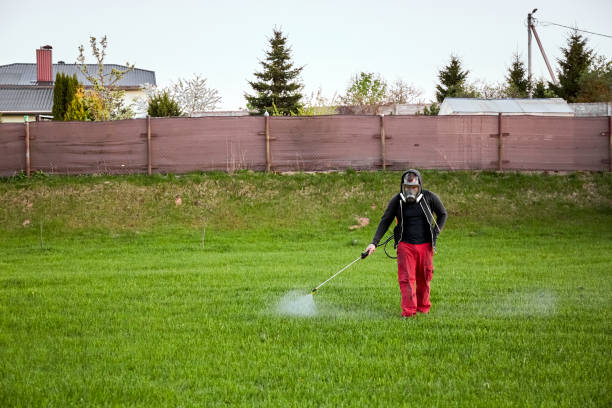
column 387, row 218
column 438, row 209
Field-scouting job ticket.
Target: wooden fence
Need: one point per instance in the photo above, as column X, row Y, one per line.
column 178, row 145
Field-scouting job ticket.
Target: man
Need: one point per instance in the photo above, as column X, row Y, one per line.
column 415, row 236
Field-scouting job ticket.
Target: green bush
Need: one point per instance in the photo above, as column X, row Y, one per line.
column 76, row 109
column 432, row 110
column 162, row 105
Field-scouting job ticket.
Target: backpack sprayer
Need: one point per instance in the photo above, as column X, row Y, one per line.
column 362, row 256
column 396, row 236
column 410, row 192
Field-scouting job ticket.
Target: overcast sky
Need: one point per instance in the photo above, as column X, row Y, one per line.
column 224, row 40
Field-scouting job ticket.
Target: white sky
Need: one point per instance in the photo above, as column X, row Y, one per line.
column 224, row 40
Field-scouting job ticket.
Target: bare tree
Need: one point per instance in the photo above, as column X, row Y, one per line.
column 105, row 101
column 193, row 95
column 483, row 89
column 401, row 92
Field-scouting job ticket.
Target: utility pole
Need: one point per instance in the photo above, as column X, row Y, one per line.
column 550, row 71
column 530, row 28
column 529, row 22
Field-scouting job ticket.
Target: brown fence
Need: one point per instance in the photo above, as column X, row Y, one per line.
column 180, row 145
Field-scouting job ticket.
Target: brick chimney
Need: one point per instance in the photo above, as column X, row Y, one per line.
column 44, row 64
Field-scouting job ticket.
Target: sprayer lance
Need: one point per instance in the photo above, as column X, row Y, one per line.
column 362, row 256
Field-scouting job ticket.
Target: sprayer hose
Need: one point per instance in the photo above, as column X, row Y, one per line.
column 385, row 243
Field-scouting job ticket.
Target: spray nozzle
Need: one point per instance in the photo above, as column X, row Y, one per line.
column 313, row 291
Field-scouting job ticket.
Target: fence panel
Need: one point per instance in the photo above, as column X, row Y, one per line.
column 12, row 148
column 325, row 143
column 309, row 143
column 556, row 143
column 89, row 147
column 211, row 143
column 451, row 142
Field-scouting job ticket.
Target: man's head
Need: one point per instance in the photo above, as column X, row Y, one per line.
column 411, row 186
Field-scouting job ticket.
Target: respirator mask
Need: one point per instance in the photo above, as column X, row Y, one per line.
column 411, row 188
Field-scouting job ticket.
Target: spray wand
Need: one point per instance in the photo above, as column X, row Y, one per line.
column 362, row 256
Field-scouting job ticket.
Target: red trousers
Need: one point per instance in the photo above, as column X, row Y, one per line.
column 414, row 272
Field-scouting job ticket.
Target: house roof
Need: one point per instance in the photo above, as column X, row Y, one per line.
column 25, row 74
column 26, row 99
column 475, row 106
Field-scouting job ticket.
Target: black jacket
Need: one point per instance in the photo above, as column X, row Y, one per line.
column 430, row 205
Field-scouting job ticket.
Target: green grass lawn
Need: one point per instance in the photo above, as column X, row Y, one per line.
column 112, row 295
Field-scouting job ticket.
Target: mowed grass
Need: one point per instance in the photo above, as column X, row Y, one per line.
column 124, row 298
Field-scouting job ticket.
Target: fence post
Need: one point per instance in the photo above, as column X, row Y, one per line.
column 499, row 143
column 149, row 145
column 27, row 147
column 609, row 143
column 382, row 141
column 268, row 164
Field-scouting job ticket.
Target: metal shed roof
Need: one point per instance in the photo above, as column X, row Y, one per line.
column 475, row 106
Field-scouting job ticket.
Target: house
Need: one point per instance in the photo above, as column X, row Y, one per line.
column 404, row 108
column 476, row 106
column 592, row 109
column 386, row 109
column 220, row 113
column 27, row 89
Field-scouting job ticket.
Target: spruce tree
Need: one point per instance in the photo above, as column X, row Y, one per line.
column 576, row 60
column 277, row 88
column 452, row 80
column 518, row 83
column 540, row 90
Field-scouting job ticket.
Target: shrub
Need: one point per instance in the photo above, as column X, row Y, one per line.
column 162, row 105
column 76, row 108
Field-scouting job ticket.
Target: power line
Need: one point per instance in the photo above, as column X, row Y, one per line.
column 574, row 28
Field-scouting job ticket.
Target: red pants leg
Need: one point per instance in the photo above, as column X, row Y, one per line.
column 414, row 272
column 406, row 275
column 424, row 275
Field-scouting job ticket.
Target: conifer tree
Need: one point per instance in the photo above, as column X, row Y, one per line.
column 452, row 80
column 277, row 88
column 64, row 89
column 596, row 83
column 576, row 60
column 432, row 110
column 76, row 108
column 59, row 97
column 540, row 90
column 518, row 83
